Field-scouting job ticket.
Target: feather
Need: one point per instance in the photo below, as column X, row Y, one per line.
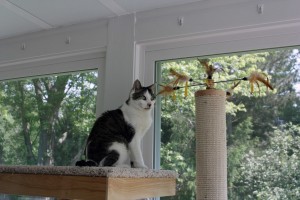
column 209, row 83
column 180, row 78
column 186, row 89
column 255, row 78
column 166, row 90
column 209, row 69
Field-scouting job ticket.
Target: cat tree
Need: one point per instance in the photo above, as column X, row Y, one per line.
column 211, row 151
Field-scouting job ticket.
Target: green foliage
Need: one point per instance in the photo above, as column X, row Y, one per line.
column 273, row 172
column 172, row 159
column 253, row 124
column 46, row 120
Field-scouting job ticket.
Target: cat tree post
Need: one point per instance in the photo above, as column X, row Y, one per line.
column 211, row 152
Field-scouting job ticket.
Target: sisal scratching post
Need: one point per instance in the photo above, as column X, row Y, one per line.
column 211, row 152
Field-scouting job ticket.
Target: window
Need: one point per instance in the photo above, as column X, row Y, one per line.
column 47, row 109
column 263, row 130
column 45, row 120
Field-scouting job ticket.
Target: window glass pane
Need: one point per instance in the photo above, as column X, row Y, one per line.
column 45, row 120
column 263, row 130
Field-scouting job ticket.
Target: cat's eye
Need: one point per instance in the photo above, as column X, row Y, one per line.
column 144, row 98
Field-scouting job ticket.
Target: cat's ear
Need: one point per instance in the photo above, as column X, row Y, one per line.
column 137, row 85
column 152, row 87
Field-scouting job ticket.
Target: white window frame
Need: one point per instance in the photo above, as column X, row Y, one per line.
column 213, row 43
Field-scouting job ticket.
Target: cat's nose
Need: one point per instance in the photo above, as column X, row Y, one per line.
column 149, row 105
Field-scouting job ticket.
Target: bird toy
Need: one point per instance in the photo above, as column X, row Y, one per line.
column 182, row 80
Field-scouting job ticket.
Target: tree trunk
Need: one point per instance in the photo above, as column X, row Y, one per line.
column 25, row 130
column 229, row 127
column 48, row 112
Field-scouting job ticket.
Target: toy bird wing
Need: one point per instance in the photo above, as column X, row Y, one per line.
column 256, row 77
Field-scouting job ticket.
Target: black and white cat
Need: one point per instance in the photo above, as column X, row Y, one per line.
column 116, row 136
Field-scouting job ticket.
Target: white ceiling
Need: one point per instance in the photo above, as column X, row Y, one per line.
column 19, row 17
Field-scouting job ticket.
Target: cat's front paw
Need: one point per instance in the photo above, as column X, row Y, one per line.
column 83, row 163
column 80, row 163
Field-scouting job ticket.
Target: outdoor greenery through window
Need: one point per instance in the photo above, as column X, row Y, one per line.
column 46, row 120
column 263, row 129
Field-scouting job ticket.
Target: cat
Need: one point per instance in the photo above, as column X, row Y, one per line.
column 115, row 138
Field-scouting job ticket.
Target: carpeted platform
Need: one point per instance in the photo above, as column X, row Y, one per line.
column 87, row 183
column 89, row 171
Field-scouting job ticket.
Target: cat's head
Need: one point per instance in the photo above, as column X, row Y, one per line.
column 141, row 98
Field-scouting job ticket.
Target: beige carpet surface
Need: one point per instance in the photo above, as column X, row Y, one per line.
column 89, row 171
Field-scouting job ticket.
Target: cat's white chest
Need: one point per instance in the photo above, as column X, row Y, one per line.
column 141, row 121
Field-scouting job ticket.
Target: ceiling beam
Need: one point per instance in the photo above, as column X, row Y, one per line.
column 114, row 7
column 25, row 14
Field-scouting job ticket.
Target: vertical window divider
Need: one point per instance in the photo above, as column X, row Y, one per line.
column 157, row 119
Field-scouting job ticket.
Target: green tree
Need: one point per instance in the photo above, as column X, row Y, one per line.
column 272, row 173
column 49, row 118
